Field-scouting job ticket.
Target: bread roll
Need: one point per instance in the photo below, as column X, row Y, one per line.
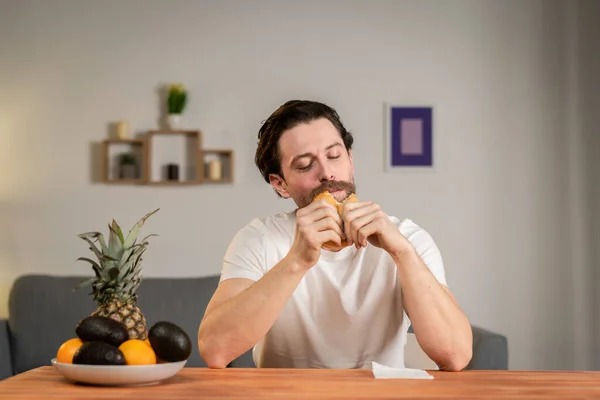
column 332, row 246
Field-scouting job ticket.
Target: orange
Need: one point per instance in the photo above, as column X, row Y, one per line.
column 67, row 350
column 137, row 352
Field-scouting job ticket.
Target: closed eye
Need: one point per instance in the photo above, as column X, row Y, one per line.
column 309, row 166
column 306, row 168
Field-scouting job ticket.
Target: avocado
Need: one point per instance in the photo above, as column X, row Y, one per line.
column 170, row 342
column 98, row 353
column 102, row 329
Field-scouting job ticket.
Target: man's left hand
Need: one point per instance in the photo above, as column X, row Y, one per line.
column 365, row 221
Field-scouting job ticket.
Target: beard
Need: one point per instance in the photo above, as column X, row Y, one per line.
column 331, row 186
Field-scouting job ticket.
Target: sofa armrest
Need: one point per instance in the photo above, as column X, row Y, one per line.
column 490, row 350
column 6, row 368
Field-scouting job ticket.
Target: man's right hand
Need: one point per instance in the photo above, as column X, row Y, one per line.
column 316, row 223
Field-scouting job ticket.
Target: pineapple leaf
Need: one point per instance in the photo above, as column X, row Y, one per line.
column 113, row 273
column 150, row 235
column 94, row 263
column 136, row 275
column 135, row 249
column 126, row 270
column 118, row 230
column 105, row 276
column 92, row 235
column 94, row 248
column 133, row 233
column 95, row 266
column 84, row 283
column 98, row 236
column 139, row 258
column 131, row 263
column 115, row 245
column 103, row 244
column 130, row 253
column 89, row 235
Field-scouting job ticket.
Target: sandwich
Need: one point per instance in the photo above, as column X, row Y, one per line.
column 332, row 246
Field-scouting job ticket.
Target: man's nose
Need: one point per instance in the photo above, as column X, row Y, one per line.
column 326, row 173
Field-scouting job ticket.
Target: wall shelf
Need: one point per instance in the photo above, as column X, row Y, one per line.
column 166, row 158
column 225, row 159
column 111, row 150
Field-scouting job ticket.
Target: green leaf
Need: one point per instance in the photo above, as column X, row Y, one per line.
column 130, row 265
column 94, row 248
column 84, row 283
column 92, row 235
column 94, row 263
column 150, row 235
column 102, row 258
column 95, row 266
column 115, row 243
column 130, row 253
column 103, row 244
column 117, row 229
column 126, row 269
column 113, row 273
column 139, row 257
column 133, row 233
column 96, row 236
column 106, row 276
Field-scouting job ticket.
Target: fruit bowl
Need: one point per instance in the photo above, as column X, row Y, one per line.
column 118, row 375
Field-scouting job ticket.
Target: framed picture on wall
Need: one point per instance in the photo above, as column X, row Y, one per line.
column 409, row 136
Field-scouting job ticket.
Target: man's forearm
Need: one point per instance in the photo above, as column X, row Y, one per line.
column 441, row 328
column 232, row 328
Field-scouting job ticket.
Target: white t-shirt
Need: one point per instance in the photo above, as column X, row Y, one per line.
column 346, row 312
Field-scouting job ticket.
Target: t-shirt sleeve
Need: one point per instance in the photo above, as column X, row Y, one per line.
column 426, row 248
column 245, row 255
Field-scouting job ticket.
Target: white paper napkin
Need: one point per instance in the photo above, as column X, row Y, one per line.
column 384, row 372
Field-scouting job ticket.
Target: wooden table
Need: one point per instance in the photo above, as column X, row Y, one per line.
column 200, row 383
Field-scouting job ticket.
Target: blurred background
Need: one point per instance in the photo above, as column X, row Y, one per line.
column 511, row 198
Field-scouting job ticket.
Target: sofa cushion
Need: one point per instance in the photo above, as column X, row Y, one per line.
column 5, row 357
column 44, row 310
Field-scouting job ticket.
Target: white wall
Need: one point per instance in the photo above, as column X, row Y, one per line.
column 496, row 200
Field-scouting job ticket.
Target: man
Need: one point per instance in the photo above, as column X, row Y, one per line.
column 300, row 306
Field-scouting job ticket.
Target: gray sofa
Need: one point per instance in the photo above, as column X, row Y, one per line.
column 44, row 310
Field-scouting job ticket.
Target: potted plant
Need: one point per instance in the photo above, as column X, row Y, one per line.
column 127, row 166
column 176, row 103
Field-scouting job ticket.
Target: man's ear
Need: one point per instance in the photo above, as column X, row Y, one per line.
column 279, row 185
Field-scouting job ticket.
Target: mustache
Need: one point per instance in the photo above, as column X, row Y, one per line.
column 332, row 186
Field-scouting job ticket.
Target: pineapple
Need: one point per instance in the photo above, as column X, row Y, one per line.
column 117, row 275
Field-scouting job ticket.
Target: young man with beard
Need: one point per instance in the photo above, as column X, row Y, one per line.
column 300, row 306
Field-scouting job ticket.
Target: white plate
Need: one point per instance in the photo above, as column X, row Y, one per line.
column 113, row 375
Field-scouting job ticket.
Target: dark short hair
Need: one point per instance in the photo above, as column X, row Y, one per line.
column 288, row 116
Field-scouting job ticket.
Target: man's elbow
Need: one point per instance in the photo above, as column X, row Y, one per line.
column 214, row 359
column 216, row 362
column 457, row 360
column 211, row 352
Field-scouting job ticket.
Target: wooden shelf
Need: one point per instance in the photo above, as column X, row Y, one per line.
column 124, row 141
column 188, row 173
column 171, row 183
column 174, row 132
column 111, row 173
column 153, row 169
column 225, row 159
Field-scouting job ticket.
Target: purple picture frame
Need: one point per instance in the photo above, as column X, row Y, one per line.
column 409, row 136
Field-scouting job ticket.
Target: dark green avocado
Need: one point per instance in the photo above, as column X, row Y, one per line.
column 170, row 342
column 102, row 329
column 98, row 353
